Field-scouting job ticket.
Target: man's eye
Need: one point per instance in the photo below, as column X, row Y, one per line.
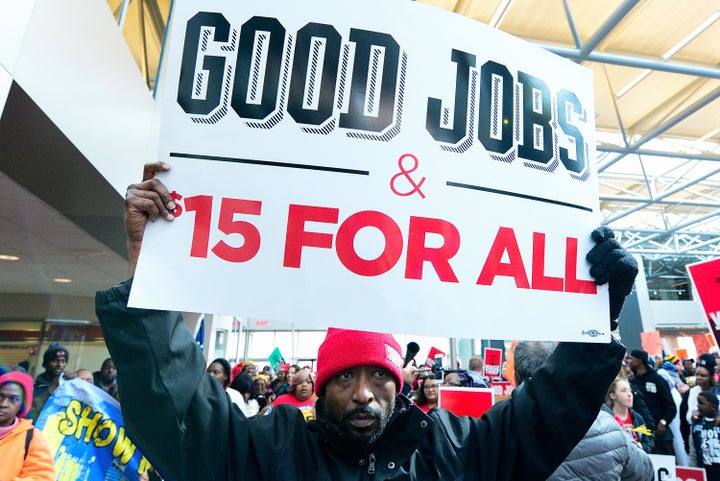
column 381, row 373
column 345, row 375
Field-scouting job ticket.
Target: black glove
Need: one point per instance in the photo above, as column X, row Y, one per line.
column 611, row 263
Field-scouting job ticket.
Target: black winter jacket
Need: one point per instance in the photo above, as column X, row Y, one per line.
column 185, row 424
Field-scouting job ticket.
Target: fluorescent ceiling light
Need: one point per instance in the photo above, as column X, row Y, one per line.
column 7, row 257
column 62, row 280
column 500, row 13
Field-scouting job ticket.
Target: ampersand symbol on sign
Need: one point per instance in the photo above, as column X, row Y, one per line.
column 406, row 174
column 178, row 208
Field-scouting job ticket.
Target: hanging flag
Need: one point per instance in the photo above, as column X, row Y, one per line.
column 200, row 333
column 275, row 359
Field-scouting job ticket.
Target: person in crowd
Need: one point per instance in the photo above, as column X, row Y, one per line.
column 705, row 438
column 364, row 429
column 687, row 375
column 669, row 372
column 475, row 371
column 86, row 375
column 243, row 384
column 279, row 384
column 704, row 381
column 24, row 451
column 291, row 372
column 605, row 453
column 106, row 378
column 427, row 395
column 261, row 395
column 249, row 367
column 620, row 400
column 456, row 379
column 300, row 395
column 657, row 396
column 55, row 360
column 220, row 370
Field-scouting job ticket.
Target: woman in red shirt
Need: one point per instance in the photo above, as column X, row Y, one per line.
column 300, row 394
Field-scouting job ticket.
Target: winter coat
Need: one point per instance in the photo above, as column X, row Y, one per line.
column 606, row 453
column 38, row 465
column 194, row 433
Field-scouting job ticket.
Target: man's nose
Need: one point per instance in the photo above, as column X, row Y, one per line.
column 363, row 393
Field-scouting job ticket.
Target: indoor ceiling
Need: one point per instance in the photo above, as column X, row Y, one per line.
column 657, row 90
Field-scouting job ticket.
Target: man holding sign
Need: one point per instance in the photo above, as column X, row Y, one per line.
column 364, row 428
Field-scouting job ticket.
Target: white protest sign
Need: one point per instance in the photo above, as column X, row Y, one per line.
column 381, row 165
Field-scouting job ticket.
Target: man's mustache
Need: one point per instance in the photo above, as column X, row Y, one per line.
column 363, row 411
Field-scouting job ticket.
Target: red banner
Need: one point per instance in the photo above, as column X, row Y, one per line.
column 706, row 280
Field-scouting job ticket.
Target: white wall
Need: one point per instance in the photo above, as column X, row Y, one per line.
column 72, row 60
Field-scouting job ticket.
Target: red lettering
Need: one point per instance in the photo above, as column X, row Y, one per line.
column 505, row 241
column 296, row 237
column 202, row 205
column 418, row 252
column 539, row 280
column 572, row 283
column 345, row 243
column 228, row 225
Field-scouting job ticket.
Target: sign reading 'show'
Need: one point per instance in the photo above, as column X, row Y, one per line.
column 380, row 165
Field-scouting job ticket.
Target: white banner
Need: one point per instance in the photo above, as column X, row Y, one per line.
column 382, row 165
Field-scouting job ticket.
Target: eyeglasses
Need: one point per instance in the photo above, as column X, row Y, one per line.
column 434, row 386
column 13, row 399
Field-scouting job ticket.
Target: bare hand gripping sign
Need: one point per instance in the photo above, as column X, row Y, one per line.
column 376, row 164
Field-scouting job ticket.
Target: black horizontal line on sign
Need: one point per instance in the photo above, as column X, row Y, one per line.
column 270, row 163
column 516, row 194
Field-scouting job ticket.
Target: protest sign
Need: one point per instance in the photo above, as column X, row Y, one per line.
column 87, row 437
column 335, row 166
column 493, row 362
column 663, row 467
column 466, row 401
column 706, row 284
column 689, row 474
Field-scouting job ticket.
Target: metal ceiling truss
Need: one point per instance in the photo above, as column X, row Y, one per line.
column 683, row 203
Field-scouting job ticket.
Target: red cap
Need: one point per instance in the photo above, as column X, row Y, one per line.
column 26, row 383
column 344, row 349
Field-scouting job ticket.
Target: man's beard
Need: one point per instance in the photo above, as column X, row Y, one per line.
column 361, row 439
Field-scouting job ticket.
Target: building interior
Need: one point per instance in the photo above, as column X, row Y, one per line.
column 77, row 97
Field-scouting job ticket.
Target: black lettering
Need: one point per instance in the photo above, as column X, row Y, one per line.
column 213, row 65
column 568, row 100
column 537, row 114
column 496, row 121
column 356, row 118
column 302, row 63
column 246, row 78
column 433, row 118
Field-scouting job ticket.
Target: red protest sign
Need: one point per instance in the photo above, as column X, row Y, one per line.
column 706, row 280
column 690, row 474
column 466, row 401
column 493, row 362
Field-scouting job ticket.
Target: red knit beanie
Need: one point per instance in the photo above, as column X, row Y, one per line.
column 344, row 349
column 26, row 383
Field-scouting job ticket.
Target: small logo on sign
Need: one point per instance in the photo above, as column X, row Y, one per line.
column 592, row 333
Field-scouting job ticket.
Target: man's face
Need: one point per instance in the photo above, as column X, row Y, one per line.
column 705, row 408
column 85, row 375
column 688, row 365
column 633, row 362
column 109, row 373
column 11, row 401
column 56, row 366
column 360, row 401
